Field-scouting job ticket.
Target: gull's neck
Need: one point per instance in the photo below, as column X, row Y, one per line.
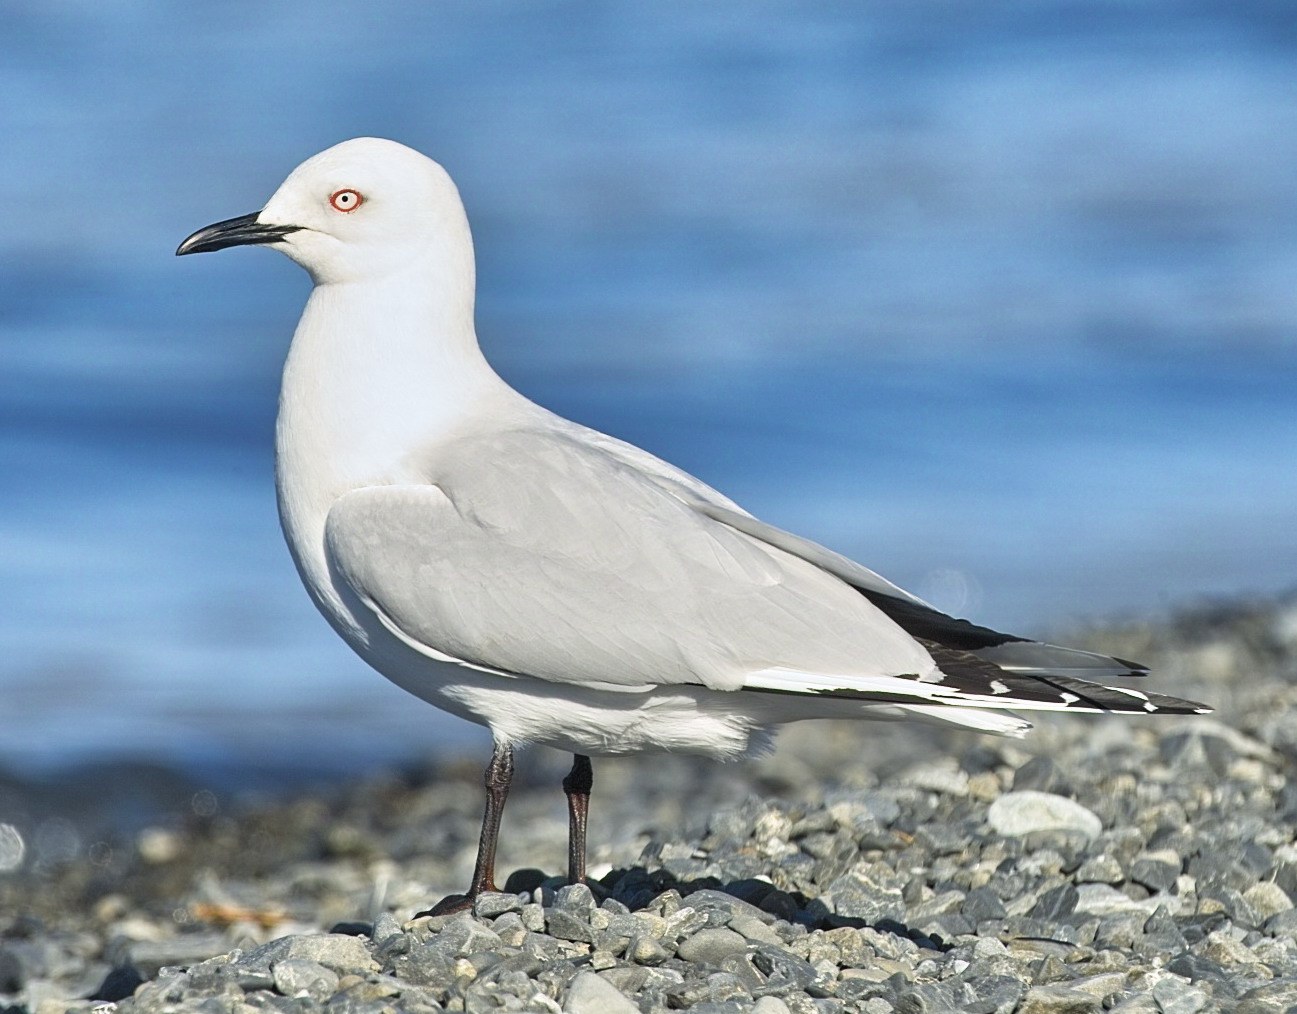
column 380, row 368
column 378, row 372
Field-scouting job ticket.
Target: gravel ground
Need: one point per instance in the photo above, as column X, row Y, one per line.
column 1102, row 864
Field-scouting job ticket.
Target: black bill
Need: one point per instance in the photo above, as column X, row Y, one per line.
column 234, row 232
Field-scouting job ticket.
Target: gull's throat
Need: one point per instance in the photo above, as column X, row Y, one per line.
column 379, row 371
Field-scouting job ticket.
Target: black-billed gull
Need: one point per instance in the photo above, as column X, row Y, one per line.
column 548, row 581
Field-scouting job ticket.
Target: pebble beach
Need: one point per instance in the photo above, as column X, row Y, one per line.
column 1101, row 864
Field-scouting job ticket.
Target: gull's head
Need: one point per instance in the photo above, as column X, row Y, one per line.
column 361, row 209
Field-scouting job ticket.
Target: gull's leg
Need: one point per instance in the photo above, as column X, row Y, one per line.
column 499, row 773
column 577, row 785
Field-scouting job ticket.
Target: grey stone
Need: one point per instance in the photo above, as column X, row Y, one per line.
column 940, row 904
column 1056, row 903
column 303, row 977
column 710, row 902
column 491, row 904
column 1100, row 985
column 983, row 903
column 754, row 929
column 626, row 978
column 1102, row 869
column 1162, row 935
column 464, row 935
column 1041, row 774
column 645, row 950
column 566, row 925
column 1268, row 899
column 869, row 892
column 1175, row 996
column 785, row 972
column 385, row 927
column 1272, row 998
column 710, row 946
column 934, row 998
column 577, row 898
column 684, row 922
column 340, row 953
column 424, row 965
column 1059, row 999
column 1157, row 872
column 1283, row 925
column 995, row 994
column 1016, row 814
column 589, row 994
column 1137, row 1005
column 533, row 917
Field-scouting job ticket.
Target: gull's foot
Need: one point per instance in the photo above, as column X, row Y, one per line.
column 450, row 905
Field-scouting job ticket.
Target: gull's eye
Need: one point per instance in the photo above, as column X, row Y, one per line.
column 346, row 200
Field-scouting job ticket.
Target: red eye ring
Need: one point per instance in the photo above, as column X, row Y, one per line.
column 346, row 200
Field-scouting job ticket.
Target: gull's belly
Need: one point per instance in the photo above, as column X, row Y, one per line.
column 582, row 720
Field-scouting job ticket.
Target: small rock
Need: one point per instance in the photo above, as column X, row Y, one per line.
column 533, row 917
column 590, row 994
column 568, row 926
column 770, row 1005
column 1268, row 898
column 491, row 904
column 1102, row 869
column 1222, row 948
column 938, row 778
column 871, row 892
column 754, row 929
column 463, row 935
column 646, row 951
column 1059, row 999
column 1041, row 774
column 1175, row 996
column 1273, row 998
column 1155, row 870
column 1100, row 985
column 385, row 926
column 576, row 898
column 1161, row 934
column 628, row 979
column 1056, row 903
column 1283, row 925
column 1016, row 814
column 983, row 903
column 303, row 977
column 710, row 946
column 332, row 950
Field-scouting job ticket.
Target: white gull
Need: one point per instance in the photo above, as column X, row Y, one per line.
column 548, row 581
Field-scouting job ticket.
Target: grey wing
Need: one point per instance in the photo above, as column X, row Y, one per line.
column 975, row 661
column 534, row 554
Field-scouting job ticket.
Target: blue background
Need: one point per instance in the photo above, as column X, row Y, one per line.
column 999, row 298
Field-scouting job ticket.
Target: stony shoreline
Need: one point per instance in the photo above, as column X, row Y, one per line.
column 1102, row 864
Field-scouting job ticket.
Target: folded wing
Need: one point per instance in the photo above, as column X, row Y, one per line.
column 537, row 553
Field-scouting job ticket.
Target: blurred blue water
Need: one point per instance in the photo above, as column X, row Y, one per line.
column 998, row 298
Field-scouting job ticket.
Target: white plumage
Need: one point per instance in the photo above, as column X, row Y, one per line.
column 545, row 580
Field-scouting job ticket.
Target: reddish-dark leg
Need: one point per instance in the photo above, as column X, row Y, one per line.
column 499, row 773
column 577, row 785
